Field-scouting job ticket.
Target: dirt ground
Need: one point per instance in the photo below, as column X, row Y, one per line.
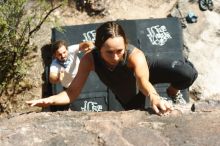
column 115, row 9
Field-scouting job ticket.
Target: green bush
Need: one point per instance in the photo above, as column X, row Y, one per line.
column 19, row 21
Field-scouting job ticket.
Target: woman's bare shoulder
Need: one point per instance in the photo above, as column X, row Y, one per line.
column 136, row 57
column 136, row 53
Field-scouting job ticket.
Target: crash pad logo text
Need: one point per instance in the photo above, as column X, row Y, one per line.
column 89, row 36
column 91, row 106
column 158, row 35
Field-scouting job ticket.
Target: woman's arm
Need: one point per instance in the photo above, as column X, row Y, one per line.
column 65, row 97
column 85, row 66
column 137, row 61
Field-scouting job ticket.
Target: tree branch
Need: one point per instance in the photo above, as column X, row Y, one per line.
column 42, row 21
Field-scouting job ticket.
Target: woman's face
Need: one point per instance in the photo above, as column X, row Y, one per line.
column 113, row 50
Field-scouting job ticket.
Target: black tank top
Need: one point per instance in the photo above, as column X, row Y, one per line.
column 121, row 80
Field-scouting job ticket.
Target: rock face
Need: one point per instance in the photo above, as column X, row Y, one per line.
column 112, row 128
column 202, row 39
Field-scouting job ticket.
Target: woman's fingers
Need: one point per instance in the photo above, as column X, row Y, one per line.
column 31, row 103
column 157, row 111
column 40, row 103
column 163, row 108
column 169, row 106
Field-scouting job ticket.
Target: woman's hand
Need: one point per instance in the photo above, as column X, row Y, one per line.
column 161, row 107
column 45, row 102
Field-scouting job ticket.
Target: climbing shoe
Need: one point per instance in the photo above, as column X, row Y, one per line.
column 206, row 4
column 178, row 98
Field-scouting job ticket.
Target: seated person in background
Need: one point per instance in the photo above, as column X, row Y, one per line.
column 65, row 64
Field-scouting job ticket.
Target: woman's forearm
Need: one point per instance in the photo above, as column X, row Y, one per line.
column 59, row 99
column 148, row 89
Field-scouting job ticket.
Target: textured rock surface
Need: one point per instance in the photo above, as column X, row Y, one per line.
column 112, row 129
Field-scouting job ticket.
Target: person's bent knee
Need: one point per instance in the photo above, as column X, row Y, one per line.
column 187, row 79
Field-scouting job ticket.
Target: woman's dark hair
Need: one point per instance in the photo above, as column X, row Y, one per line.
column 57, row 44
column 109, row 30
